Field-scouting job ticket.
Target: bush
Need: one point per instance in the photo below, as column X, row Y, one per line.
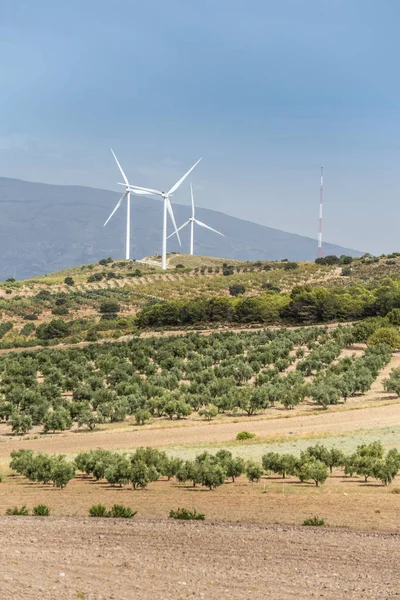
column 314, row 522
column 109, row 306
column 95, row 277
column 291, row 266
column 331, row 259
column 60, row 310
column 41, row 510
column 118, row 511
column 98, row 510
column 69, row 281
column 105, row 261
column 184, row 514
column 245, row 435
column 20, row 512
column 57, row 328
column 135, row 273
column 385, row 335
column 236, row 289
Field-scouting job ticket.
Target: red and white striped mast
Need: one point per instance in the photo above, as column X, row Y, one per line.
column 321, row 191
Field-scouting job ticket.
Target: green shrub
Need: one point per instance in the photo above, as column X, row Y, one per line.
column 5, row 328
column 41, row 510
column 385, row 335
column 118, row 511
column 105, row 261
column 98, row 510
column 95, row 277
column 184, row 514
column 314, row 522
column 20, row 512
column 245, row 435
column 291, row 266
column 60, row 310
column 236, row 289
column 109, row 306
column 57, row 328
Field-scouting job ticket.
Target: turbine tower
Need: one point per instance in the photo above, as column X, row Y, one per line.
column 166, row 209
column 127, row 195
column 321, row 190
column 192, row 221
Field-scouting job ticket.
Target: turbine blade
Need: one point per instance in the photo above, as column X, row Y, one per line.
column 191, row 193
column 182, row 179
column 179, row 228
column 208, row 227
column 133, row 188
column 116, row 207
column 171, row 214
column 140, row 192
column 120, row 168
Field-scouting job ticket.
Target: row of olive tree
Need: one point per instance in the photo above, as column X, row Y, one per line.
column 147, row 465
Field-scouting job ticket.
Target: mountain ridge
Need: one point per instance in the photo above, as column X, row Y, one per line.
column 62, row 226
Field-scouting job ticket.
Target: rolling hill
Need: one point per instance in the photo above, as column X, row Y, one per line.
column 45, row 228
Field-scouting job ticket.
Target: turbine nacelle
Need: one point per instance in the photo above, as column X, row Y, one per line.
column 191, row 221
column 135, row 189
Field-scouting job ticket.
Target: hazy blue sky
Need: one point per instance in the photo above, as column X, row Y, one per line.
column 266, row 91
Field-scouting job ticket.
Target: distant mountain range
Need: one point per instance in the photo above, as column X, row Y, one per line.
column 45, row 228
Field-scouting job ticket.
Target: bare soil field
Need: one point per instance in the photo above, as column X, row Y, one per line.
column 341, row 501
column 102, row 560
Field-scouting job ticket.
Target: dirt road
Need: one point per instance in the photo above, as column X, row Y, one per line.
column 104, row 560
column 190, row 433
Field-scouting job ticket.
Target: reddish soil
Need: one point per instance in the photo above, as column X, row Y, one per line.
column 127, row 560
column 341, row 501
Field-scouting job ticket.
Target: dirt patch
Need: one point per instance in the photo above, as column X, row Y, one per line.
column 101, row 560
column 189, row 432
column 341, row 501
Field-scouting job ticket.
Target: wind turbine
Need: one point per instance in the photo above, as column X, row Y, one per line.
column 167, row 208
column 127, row 195
column 192, row 221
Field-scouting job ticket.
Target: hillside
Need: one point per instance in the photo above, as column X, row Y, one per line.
column 137, row 286
column 45, row 228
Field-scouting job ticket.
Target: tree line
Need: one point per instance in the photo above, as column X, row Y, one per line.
column 148, row 464
column 303, row 305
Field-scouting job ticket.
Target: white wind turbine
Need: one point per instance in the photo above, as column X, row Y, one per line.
column 167, row 208
column 192, row 221
column 127, row 195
